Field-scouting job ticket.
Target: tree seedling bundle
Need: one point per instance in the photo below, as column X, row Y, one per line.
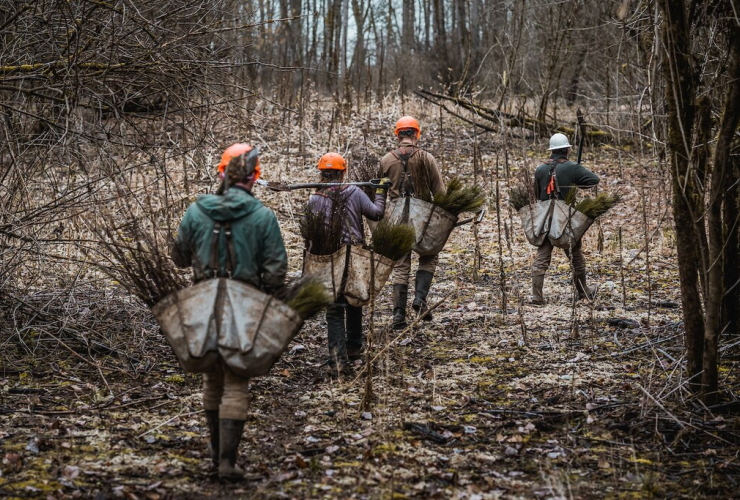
column 138, row 260
column 323, row 236
column 519, row 197
column 459, row 198
column 393, row 241
column 306, row 296
column 598, row 205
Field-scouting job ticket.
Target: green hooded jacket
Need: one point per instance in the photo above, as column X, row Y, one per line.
column 261, row 260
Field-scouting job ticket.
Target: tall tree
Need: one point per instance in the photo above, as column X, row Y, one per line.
column 687, row 122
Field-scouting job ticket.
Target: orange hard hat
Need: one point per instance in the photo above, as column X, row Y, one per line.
column 406, row 122
column 332, row 161
column 233, row 151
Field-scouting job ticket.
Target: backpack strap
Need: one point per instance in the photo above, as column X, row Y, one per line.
column 407, row 186
column 218, row 228
column 230, row 252
column 553, row 189
column 214, row 265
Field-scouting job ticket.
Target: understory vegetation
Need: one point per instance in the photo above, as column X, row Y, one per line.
column 558, row 401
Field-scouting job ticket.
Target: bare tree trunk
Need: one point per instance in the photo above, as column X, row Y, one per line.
column 721, row 181
column 343, row 48
column 407, row 37
column 358, row 59
column 440, row 39
column 680, row 95
column 731, row 216
column 427, row 17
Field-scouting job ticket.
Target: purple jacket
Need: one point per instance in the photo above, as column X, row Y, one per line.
column 356, row 204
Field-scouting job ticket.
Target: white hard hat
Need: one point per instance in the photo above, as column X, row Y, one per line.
column 559, row 141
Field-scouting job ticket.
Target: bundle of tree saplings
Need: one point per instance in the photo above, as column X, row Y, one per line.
column 322, row 237
column 393, row 241
column 519, row 197
column 459, row 198
column 306, row 296
column 364, row 170
column 133, row 252
column 598, row 205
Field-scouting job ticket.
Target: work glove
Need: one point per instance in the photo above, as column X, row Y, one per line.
column 386, row 183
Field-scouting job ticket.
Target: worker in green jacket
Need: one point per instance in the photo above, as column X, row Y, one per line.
column 255, row 254
column 554, row 179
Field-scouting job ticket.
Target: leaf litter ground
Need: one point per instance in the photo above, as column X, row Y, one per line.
column 532, row 402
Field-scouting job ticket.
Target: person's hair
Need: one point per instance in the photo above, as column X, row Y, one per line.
column 561, row 151
column 331, row 175
column 407, row 132
column 236, row 170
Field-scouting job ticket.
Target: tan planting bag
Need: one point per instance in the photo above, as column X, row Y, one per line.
column 432, row 224
column 225, row 318
column 350, row 271
column 562, row 224
column 568, row 225
column 536, row 221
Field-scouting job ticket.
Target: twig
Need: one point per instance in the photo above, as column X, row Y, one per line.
column 168, row 421
column 404, row 332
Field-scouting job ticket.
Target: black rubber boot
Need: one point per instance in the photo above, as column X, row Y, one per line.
column 354, row 333
column 400, row 299
column 231, row 435
column 213, row 431
column 421, row 289
column 538, row 281
column 335, row 325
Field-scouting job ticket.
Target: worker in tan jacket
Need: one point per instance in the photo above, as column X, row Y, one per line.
column 413, row 172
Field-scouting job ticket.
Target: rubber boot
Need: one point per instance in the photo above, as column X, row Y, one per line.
column 421, row 289
column 400, row 299
column 538, row 281
column 354, row 333
column 231, row 435
column 213, row 431
column 584, row 290
column 335, row 323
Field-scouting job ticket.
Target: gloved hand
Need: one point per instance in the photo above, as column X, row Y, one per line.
column 386, row 183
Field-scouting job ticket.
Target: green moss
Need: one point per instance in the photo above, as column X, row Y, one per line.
column 175, row 379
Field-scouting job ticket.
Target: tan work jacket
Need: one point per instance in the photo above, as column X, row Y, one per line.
column 421, row 165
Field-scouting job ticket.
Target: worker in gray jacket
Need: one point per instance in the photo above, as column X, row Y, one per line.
column 350, row 203
column 554, row 179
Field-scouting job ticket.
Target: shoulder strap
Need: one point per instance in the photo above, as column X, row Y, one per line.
column 214, row 248
column 553, row 189
column 407, row 186
column 230, row 252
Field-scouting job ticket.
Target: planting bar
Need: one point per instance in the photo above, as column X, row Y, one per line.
column 474, row 220
column 279, row 186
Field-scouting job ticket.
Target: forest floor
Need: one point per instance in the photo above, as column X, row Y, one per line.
column 560, row 401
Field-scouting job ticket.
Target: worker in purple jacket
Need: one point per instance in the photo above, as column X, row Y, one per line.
column 349, row 203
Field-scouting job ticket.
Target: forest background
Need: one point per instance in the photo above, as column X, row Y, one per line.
column 113, row 118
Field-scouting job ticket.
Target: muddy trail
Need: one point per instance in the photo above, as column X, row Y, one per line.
column 568, row 400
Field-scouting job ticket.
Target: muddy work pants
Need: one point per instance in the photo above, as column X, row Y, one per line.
column 402, row 268
column 544, row 255
column 344, row 323
column 226, row 392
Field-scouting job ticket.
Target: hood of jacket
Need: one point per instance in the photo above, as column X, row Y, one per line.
column 235, row 204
